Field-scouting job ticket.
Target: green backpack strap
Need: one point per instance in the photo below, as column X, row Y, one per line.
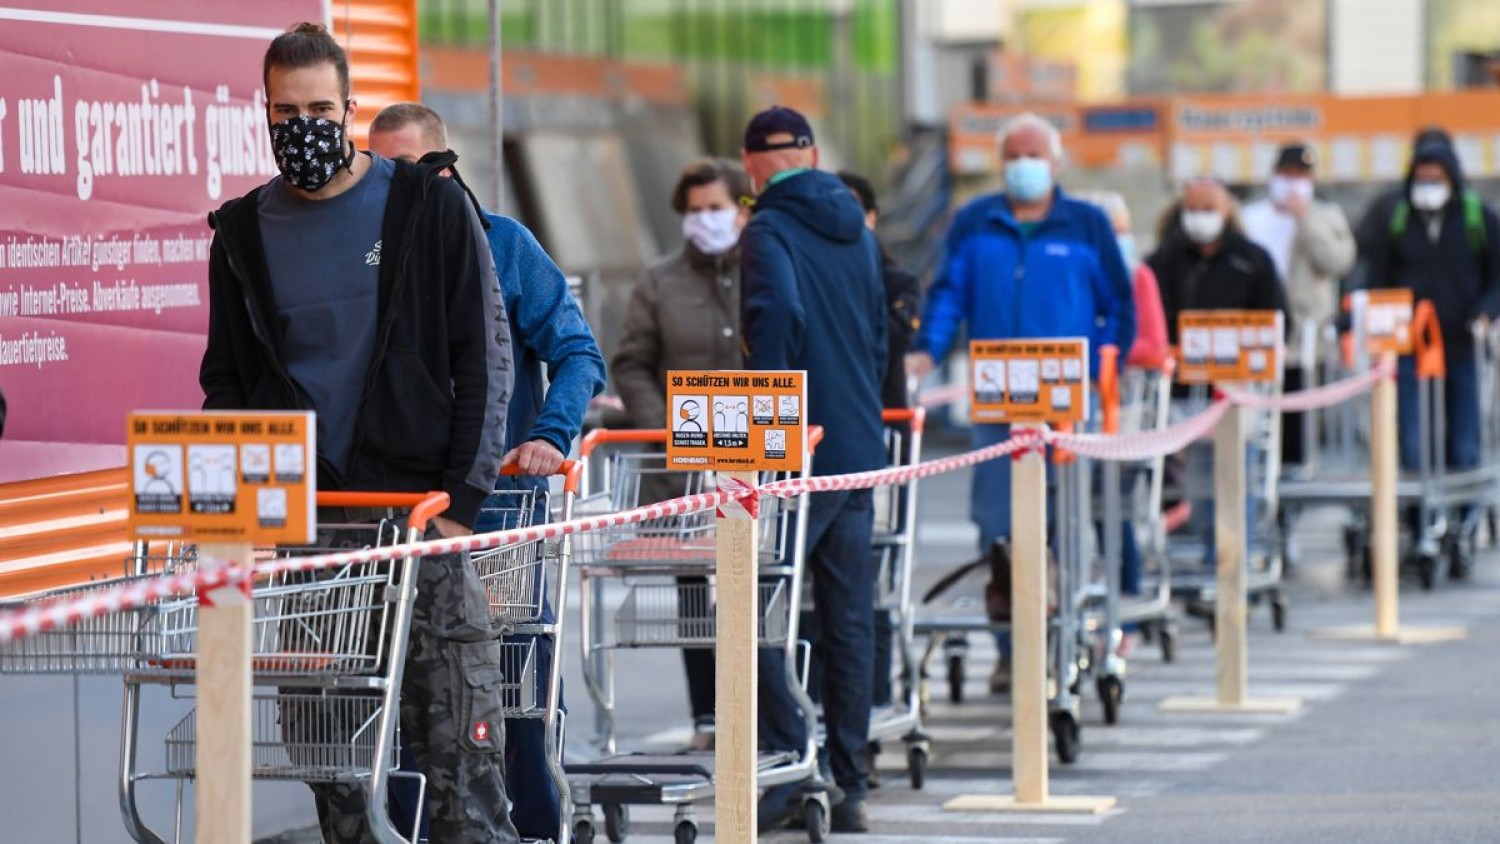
column 1399, row 218
column 1474, row 222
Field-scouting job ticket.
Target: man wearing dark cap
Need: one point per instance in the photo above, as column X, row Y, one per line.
column 813, row 299
column 1312, row 247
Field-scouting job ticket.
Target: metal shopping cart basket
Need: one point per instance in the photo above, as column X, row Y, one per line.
column 661, row 572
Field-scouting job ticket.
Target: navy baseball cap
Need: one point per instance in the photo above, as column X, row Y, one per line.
column 778, row 120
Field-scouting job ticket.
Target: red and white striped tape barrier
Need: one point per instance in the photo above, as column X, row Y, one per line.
column 69, row 610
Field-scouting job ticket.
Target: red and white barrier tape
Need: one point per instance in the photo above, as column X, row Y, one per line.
column 941, row 395
column 69, row 610
column 1315, row 397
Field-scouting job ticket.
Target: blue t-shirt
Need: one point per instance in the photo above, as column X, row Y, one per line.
column 324, row 261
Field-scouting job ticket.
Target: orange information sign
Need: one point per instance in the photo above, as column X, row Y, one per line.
column 1229, row 346
column 737, row 420
column 1384, row 316
column 1029, row 381
column 223, row 477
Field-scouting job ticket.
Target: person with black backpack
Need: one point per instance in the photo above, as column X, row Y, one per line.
column 1443, row 243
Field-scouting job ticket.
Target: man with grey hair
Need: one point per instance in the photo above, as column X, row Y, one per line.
column 1028, row 262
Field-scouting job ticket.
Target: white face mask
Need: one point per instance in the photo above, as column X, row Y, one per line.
column 1283, row 188
column 1430, row 196
column 712, row 232
column 1202, row 227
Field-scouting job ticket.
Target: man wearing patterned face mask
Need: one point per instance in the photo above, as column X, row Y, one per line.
column 345, row 286
column 1027, row 263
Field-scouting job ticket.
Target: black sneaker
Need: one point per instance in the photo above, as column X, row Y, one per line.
column 850, row 816
column 779, row 807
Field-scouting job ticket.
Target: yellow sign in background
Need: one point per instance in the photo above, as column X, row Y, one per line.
column 736, row 420
column 223, row 477
column 1029, row 381
column 1228, row 346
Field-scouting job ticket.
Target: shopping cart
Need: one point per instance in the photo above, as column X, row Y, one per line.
column 1194, row 580
column 1137, row 401
column 1446, row 531
column 895, row 545
column 665, row 568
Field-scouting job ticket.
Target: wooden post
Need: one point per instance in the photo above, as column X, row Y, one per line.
column 1383, row 534
column 1028, row 635
column 1231, row 546
column 1385, row 571
column 1028, row 626
column 224, row 705
column 737, row 620
column 1230, row 533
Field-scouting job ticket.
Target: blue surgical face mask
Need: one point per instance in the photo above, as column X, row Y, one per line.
column 1127, row 248
column 1028, row 179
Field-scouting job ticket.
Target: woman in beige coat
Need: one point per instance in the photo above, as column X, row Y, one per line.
column 684, row 314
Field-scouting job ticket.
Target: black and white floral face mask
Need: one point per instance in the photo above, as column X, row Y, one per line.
column 309, row 150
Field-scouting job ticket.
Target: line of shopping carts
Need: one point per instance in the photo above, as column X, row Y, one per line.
column 327, row 656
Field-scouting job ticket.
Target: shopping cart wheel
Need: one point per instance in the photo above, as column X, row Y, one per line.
column 616, row 822
column 1065, row 735
column 1169, row 643
column 1111, row 693
column 916, row 766
column 583, row 830
column 815, row 816
column 1427, row 571
column 956, row 678
column 1278, row 613
column 686, row 832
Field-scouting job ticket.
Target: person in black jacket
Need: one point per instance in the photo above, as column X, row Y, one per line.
column 363, row 289
column 1205, row 262
column 812, row 298
column 903, row 298
column 1374, row 227
column 1443, row 243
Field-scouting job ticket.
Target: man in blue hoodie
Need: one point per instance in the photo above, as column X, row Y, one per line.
column 1028, row 263
column 547, row 327
column 813, row 298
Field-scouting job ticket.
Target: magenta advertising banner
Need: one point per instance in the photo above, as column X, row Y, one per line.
column 122, row 124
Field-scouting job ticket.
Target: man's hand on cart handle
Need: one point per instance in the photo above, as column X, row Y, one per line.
column 534, row 458
column 448, row 529
column 919, row 365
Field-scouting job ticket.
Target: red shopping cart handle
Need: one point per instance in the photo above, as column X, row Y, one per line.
column 424, row 505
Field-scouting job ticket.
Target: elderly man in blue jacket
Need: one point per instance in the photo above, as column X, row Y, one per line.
column 1027, row 263
column 813, row 298
column 548, row 329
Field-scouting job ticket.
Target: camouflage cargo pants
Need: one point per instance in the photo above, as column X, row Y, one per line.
column 450, row 717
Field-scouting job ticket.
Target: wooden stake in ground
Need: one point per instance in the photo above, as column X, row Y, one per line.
column 224, row 717
column 1028, row 633
column 737, row 619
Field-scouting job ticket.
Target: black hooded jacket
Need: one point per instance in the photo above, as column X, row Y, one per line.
column 432, row 417
column 1461, row 277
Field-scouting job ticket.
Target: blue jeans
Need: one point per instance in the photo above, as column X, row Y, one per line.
column 1460, row 406
column 536, row 807
column 839, row 527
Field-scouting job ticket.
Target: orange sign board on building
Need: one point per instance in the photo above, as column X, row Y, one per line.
column 1385, row 317
column 223, row 477
column 1229, row 346
column 1029, row 381
column 734, row 420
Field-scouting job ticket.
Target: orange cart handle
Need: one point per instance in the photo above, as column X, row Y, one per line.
column 424, row 505
column 1427, row 341
column 570, row 470
column 1109, row 387
column 916, row 416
